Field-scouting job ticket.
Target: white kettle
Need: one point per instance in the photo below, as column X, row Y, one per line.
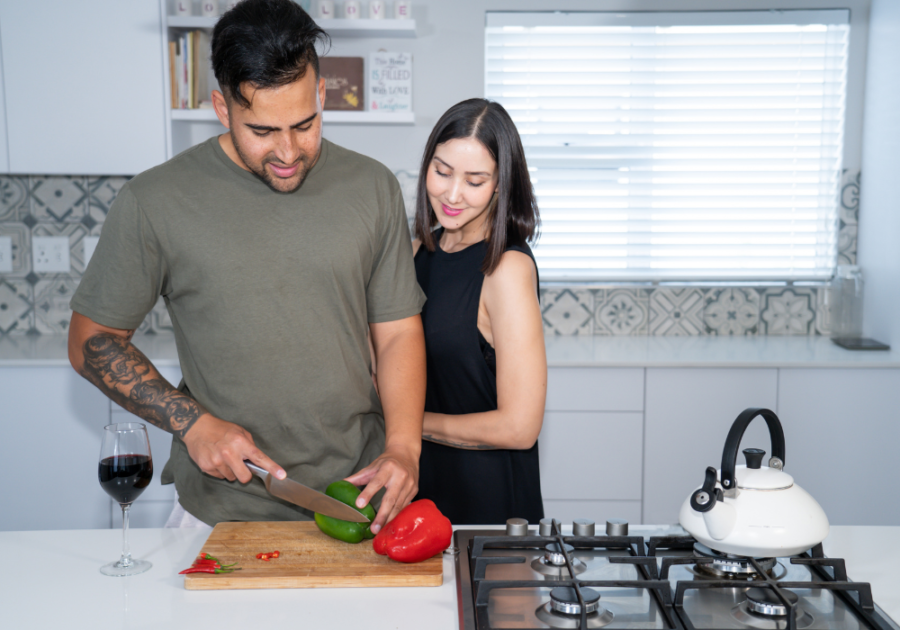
column 753, row 510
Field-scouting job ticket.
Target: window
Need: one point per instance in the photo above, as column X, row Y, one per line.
column 678, row 146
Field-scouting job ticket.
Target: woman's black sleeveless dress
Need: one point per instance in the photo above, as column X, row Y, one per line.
column 468, row 486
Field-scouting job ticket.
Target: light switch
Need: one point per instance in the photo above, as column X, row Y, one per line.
column 5, row 254
column 90, row 244
column 50, row 254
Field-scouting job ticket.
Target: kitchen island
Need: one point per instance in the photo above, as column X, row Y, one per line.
column 52, row 580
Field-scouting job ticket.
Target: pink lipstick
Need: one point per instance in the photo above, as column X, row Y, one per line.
column 450, row 212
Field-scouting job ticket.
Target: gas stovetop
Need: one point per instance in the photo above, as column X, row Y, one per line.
column 656, row 577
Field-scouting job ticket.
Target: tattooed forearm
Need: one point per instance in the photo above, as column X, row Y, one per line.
column 123, row 373
column 470, row 447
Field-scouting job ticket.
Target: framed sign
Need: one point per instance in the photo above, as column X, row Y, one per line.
column 390, row 82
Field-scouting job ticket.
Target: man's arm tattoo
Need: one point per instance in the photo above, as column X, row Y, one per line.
column 125, row 375
column 470, row 447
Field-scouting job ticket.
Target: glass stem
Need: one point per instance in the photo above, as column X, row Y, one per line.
column 125, row 560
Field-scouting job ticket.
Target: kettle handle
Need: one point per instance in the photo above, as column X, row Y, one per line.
column 733, row 443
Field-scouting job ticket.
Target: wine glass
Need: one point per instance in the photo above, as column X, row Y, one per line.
column 126, row 468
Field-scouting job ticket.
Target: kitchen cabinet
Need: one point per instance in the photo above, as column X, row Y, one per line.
column 688, row 414
column 842, row 434
column 4, row 145
column 84, row 89
column 52, row 421
column 626, row 442
column 590, row 444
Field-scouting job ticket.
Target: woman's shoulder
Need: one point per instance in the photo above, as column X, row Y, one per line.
column 517, row 267
column 516, row 270
column 523, row 248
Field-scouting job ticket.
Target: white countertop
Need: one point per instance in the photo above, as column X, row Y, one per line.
column 761, row 351
column 52, row 581
column 712, row 352
column 53, row 351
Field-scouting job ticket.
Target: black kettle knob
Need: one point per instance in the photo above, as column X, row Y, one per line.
column 754, row 457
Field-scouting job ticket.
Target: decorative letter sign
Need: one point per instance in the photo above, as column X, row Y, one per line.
column 390, row 82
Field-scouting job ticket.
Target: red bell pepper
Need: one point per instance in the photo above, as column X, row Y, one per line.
column 417, row 533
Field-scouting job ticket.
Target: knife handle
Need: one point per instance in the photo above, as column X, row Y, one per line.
column 256, row 470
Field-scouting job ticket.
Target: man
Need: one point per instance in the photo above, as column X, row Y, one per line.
column 278, row 254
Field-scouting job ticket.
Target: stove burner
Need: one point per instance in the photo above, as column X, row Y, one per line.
column 762, row 609
column 731, row 566
column 764, row 601
column 556, row 557
column 564, row 611
column 553, row 562
column 565, row 600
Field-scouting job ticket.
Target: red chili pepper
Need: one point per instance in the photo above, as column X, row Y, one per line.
column 203, row 563
column 209, row 569
column 268, row 555
column 417, row 533
column 275, row 554
column 206, row 556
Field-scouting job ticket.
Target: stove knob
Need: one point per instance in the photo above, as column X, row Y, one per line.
column 582, row 527
column 517, row 527
column 616, row 527
column 546, row 527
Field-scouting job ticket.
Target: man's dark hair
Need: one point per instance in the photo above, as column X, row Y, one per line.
column 267, row 43
column 513, row 212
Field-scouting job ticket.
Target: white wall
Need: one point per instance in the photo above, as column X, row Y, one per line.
column 879, row 208
column 448, row 63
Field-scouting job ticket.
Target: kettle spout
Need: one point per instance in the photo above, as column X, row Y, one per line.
column 720, row 520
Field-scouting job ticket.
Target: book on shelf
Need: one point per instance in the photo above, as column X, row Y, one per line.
column 343, row 83
column 173, row 82
column 189, row 70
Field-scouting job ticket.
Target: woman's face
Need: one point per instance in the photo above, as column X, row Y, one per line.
column 461, row 180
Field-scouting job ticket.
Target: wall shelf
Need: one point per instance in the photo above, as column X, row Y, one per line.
column 198, row 115
column 360, row 118
column 367, row 118
column 336, row 27
column 190, row 21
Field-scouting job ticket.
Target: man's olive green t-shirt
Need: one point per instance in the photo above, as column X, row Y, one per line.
column 270, row 296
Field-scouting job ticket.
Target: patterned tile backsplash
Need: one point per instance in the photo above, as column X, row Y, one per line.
column 75, row 207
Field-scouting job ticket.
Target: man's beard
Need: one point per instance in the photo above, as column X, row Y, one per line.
column 267, row 178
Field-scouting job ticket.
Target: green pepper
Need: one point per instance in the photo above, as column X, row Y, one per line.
column 348, row 531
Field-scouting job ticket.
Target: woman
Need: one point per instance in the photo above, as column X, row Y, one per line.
column 487, row 369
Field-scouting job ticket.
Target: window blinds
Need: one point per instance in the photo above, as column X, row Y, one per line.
column 678, row 146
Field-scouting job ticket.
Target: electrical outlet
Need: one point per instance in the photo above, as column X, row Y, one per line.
column 5, row 254
column 90, row 244
column 51, row 254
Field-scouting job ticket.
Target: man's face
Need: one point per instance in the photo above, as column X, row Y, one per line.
column 279, row 136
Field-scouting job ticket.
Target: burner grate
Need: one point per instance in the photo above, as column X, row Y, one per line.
column 835, row 581
column 634, row 546
column 653, row 561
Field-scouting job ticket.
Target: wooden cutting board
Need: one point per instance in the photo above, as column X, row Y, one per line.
column 309, row 559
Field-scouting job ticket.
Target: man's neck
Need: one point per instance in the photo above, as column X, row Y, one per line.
column 228, row 146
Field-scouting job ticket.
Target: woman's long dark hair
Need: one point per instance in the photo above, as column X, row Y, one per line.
column 513, row 213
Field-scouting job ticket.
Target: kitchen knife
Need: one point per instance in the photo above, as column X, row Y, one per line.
column 306, row 497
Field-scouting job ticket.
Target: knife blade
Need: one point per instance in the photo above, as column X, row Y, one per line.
column 306, row 497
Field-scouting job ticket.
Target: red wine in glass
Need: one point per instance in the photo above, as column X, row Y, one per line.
column 126, row 468
column 124, row 477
